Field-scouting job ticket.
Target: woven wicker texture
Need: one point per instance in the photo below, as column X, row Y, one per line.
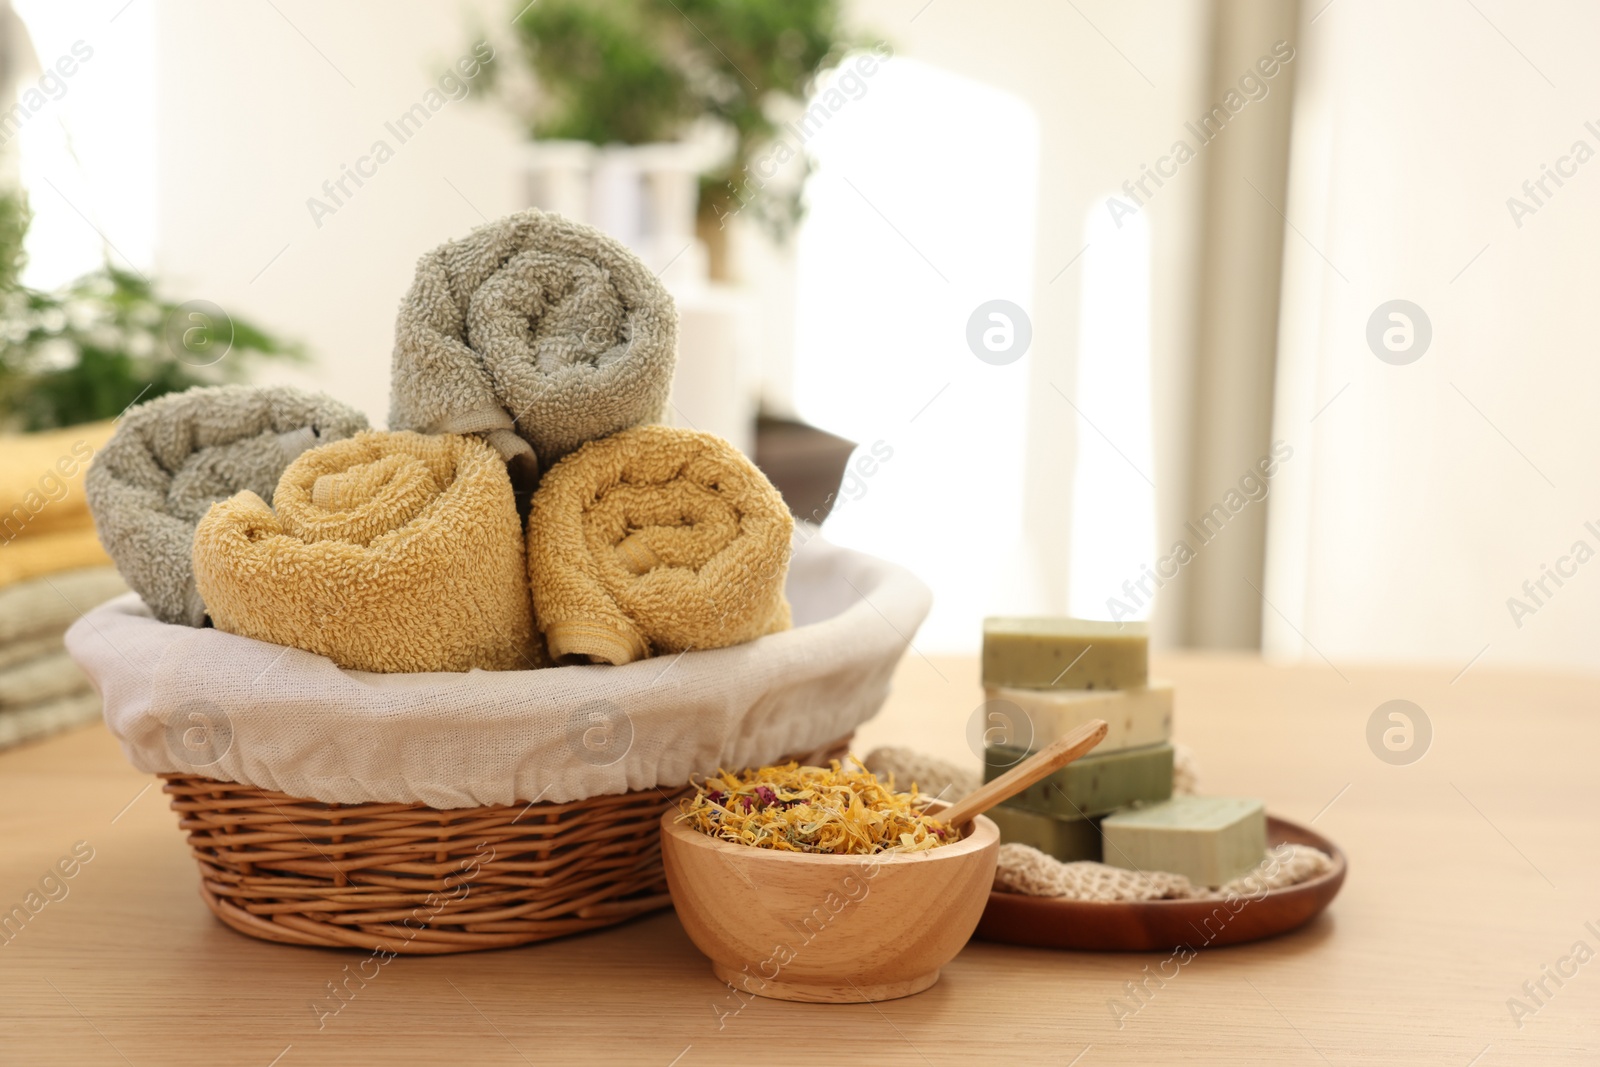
column 412, row 880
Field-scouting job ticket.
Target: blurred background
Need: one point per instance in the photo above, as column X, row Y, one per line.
column 1266, row 322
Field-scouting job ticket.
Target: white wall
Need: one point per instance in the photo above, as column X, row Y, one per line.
column 258, row 109
column 1425, row 495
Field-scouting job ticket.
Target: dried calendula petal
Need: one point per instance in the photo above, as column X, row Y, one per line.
column 791, row 808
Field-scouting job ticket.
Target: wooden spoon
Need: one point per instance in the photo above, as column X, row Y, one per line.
column 1046, row 761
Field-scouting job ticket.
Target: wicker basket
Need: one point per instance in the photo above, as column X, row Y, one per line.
column 409, row 879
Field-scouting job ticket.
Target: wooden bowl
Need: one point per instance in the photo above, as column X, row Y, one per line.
column 829, row 929
column 1165, row 925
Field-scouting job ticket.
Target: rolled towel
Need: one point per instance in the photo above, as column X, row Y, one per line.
column 656, row 540
column 172, row 458
column 44, row 607
column 388, row 552
column 41, row 480
column 537, row 333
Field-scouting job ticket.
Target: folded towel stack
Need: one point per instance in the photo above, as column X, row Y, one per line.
column 172, row 458
column 52, row 569
column 538, row 333
column 656, row 540
column 386, row 552
column 42, row 690
column 45, row 525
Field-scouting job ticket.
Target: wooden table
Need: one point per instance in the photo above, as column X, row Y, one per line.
column 1471, row 869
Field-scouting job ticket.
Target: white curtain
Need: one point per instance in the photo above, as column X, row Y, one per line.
column 1434, row 490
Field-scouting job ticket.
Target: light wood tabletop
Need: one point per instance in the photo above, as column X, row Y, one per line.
column 1474, row 880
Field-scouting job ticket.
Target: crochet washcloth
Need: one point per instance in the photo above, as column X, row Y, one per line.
column 907, row 767
column 536, row 332
column 656, row 540
column 1024, row 869
column 173, row 457
column 388, row 552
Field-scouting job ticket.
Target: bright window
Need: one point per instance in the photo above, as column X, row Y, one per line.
column 922, row 208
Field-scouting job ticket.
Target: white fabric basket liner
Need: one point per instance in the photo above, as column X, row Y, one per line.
column 200, row 701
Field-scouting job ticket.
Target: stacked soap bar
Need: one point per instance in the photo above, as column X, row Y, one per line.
column 1065, row 839
column 1045, row 677
column 1032, row 718
column 1209, row 840
column 1056, row 653
column 1097, row 784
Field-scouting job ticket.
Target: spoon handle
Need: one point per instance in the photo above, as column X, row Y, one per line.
column 1046, row 761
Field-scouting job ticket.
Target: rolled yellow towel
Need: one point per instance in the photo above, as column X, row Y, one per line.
column 392, row 552
column 656, row 540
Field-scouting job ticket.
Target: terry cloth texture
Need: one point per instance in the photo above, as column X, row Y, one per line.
column 41, row 555
column 388, row 552
column 533, row 331
column 175, row 456
column 45, row 607
column 42, row 678
column 15, row 652
column 41, row 480
column 656, row 540
column 49, row 717
column 295, row 722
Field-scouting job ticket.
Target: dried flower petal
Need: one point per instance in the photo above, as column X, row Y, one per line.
column 791, row 808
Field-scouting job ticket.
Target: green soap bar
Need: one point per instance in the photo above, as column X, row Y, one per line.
column 1060, row 653
column 1065, row 839
column 1208, row 840
column 1093, row 785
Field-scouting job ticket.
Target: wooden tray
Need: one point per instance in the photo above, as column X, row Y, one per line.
column 1163, row 925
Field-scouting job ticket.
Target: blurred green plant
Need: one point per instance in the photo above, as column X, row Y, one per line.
column 641, row 71
column 86, row 351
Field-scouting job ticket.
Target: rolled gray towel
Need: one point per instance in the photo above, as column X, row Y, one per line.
column 532, row 331
column 42, row 608
column 172, row 458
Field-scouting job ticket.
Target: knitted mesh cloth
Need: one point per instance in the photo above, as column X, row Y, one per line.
column 1028, row 871
column 935, row 777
